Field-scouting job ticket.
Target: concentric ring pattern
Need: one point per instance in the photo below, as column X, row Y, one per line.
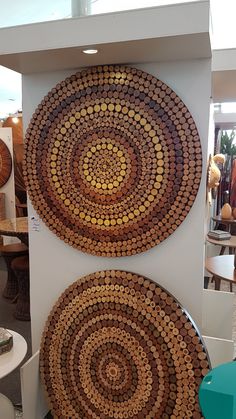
column 5, row 163
column 117, row 345
column 113, row 161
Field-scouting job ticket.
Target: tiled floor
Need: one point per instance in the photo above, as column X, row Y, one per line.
column 19, row 415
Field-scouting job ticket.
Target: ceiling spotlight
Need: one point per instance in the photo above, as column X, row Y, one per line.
column 90, row 51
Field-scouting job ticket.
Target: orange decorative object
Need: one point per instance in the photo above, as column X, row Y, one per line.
column 5, row 163
column 117, row 345
column 234, row 212
column 113, row 161
column 226, row 212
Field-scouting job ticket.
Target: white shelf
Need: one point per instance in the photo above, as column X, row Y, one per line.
column 10, row 360
column 224, row 75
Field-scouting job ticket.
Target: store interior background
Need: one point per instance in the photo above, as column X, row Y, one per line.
column 192, row 81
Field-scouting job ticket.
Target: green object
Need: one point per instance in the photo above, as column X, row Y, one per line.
column 227, row 145
column 6, row 341
column 217, row 392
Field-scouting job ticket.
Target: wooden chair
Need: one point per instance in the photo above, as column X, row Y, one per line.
column 20, row 267
column 9, row 253
column 21, row 209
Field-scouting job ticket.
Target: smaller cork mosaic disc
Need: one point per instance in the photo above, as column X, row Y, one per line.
column 117, row 345
column 5, row 163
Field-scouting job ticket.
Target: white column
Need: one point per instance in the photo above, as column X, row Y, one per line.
column 80, row 8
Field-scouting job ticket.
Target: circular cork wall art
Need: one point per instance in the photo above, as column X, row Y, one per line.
column 5, row 163
column 117, row 345
column 113, row 161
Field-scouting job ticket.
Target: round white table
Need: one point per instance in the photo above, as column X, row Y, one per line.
column 8, row 362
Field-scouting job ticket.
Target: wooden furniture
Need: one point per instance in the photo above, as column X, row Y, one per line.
column 2, row 206
column 21, row 209
column 231, row 227
column 230, row 224
column 231, row 244
column 20, row 267
column 8, row 362
column 222, row 268
column 18, row 227
column 15, row 227
column 9, row 252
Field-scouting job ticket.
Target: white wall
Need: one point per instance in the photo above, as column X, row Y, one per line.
column 177, row 263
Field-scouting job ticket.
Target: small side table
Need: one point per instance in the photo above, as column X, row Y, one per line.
column 230, row 223
column 230, row 243
column 15, row 227
column 222, row 268
column 8, row 362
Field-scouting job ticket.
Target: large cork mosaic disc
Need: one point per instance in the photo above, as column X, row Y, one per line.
column 5, row 163
column 113, row 161
column 117, row 345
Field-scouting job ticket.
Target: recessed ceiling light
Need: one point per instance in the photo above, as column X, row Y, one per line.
column 90, row 51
